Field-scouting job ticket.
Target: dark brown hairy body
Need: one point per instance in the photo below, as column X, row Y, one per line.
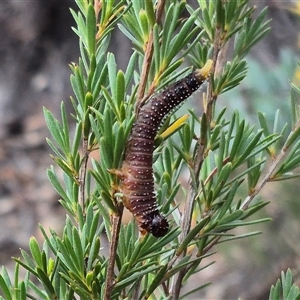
column 137, row 182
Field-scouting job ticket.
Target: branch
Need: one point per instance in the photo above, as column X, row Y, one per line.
column 266, row 178
column 116, row 225
column 293, row 135
column 219, row 59
column 148, row 59
column 82, row 176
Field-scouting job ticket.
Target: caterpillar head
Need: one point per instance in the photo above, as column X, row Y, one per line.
column 157, row 225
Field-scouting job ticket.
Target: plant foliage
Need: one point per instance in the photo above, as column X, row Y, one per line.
column 285, row 288
column 222, row 156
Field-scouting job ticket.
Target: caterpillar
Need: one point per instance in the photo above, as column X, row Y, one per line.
column 137, row 182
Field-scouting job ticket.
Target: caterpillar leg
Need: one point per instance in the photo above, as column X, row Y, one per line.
column 118, row 172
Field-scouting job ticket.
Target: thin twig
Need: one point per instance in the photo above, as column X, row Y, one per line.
column 160, row 10
column 211, row 244
column 186, row 222
column 116, row 219
column 219, row 60
column 220, row 56
column 136, row 291
column 266, row 178
column 271, row 169
column 148, row 58
column 210, row 96
column 82, row 176
column 116, row 225
column 145, row 70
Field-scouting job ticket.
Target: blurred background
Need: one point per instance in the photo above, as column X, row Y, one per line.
column 37, row 45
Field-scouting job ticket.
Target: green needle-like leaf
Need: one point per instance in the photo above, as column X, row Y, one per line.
column 91, row 29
